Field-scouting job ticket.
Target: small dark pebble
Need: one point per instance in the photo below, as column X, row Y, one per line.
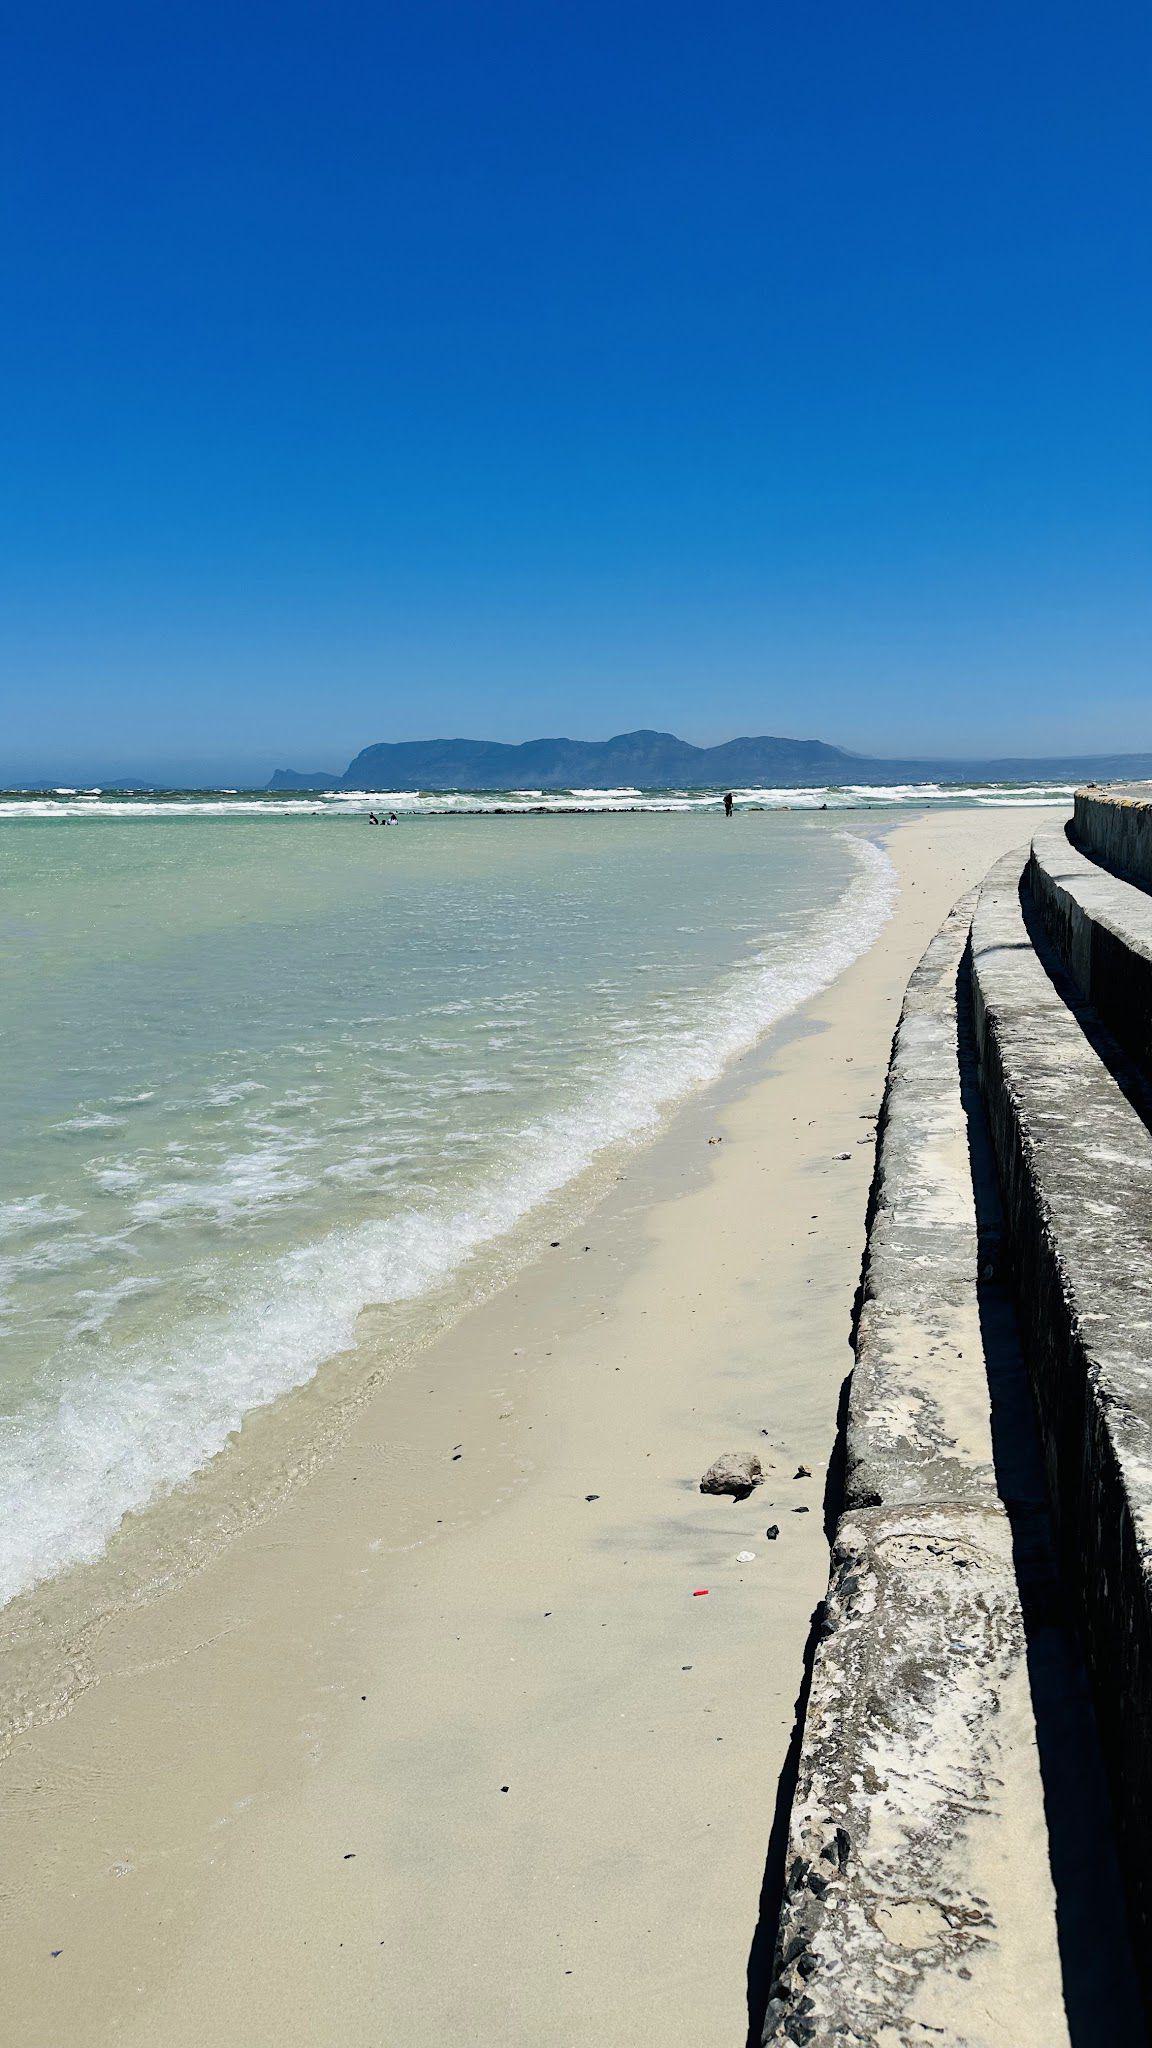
column 349, row 1855
column 57, row 1952
column 773, row 1532
column 503, row 1788
column 591, row 1496
column 799, row 1511
column 685, row 1667
column 456, row 1457
column 802, row 1472
column 555, row 1244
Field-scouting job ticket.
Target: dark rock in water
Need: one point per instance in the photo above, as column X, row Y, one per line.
column 735, row 1472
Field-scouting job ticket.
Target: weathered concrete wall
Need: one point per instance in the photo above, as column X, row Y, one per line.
column 1102, row 929
column 918, row 1425
column 918, row 1898
column 1075, row 1163
column 1116, row 826
column 919, row 1903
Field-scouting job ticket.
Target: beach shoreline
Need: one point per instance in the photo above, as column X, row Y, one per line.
column 477, row 1730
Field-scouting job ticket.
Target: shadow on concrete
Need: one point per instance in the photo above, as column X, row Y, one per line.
column 1102, row 1994
column 1129, row 1077
column 1101, row 859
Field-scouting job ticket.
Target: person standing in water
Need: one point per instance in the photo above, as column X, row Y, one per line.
column 728, row 803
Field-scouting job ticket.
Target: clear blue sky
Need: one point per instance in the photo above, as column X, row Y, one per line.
column 371, row 371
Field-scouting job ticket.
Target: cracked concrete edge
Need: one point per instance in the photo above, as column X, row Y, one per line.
column 918, row 1901
column 1075, row 1164
column 918, row 1425
column 1116, row 826
column 1101, row 927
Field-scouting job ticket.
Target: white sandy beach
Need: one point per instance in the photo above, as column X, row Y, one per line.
column 440, row 1748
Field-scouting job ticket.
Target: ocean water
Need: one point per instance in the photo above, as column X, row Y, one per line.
column 263, row 1069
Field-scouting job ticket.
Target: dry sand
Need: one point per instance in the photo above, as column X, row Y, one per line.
column 442, row 1749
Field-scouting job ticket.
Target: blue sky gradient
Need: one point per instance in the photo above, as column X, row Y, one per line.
column 370, row 372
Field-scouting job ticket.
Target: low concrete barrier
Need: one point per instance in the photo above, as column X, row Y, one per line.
column 918, row 1900
column 1116, row 826
column 1102, row 929
column 1075, row 1164
column 919, row 1904
column 918, row 1425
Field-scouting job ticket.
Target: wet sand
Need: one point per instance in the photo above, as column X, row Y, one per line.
column 441, row 1748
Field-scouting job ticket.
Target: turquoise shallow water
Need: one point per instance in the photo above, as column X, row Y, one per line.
column 262, row 1070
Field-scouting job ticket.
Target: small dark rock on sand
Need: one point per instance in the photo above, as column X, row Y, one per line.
column 773, row 1532
column 734, row 1472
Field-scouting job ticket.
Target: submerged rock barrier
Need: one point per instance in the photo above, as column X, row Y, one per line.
column 956, row 1870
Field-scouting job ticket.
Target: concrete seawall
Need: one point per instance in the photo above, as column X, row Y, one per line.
column 953, row 1872
column 1101, row 927
column 1075, row 1162
column 925, row 1884
column 1116, row 824
column 919, row 1424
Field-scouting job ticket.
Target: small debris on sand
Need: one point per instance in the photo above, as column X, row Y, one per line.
column 591, row 1496
column 734, row 1472
column 745, row 1557
column 802, row 1472
column 800, row 1511
column 773, row 1532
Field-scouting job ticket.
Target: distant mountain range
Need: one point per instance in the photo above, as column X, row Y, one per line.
column 658, row 760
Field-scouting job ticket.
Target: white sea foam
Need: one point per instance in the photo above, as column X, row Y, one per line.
column 90, row 1120
column 72, row 1466
column 414, row 803
column 33, row 1212
column 101, row 1303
